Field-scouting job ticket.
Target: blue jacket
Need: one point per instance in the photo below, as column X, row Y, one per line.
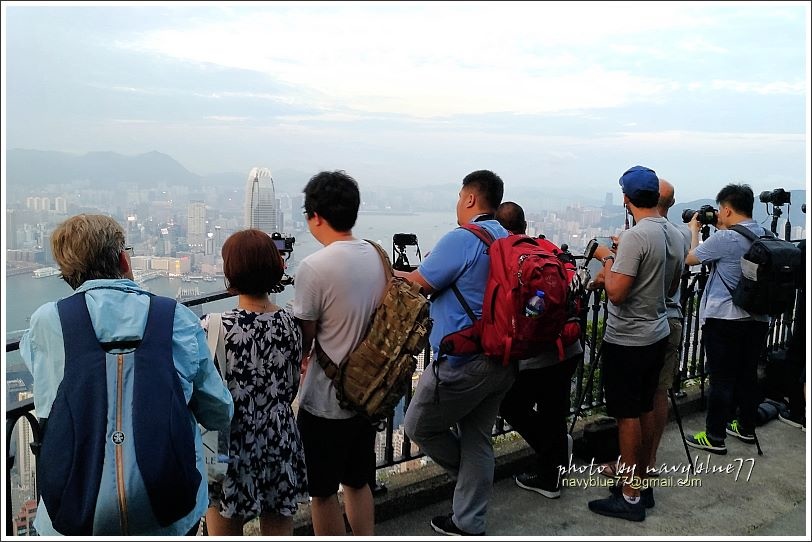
column 118, row 311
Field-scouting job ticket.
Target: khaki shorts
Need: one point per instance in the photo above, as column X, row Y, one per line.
column 671, row 358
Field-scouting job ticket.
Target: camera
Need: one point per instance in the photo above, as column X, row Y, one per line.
column 707, row 215
column 779, row 196
column 399, row 243
column 284, row 244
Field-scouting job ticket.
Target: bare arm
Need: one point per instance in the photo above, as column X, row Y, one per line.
column 416, row 277
column 308, row 335
column 617, row 285
column 694, row 226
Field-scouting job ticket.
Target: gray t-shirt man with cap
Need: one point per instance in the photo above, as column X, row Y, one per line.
column 637, row 282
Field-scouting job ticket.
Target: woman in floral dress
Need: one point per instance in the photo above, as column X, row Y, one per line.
column 266, row 475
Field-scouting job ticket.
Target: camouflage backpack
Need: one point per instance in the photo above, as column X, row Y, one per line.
column 378, row 372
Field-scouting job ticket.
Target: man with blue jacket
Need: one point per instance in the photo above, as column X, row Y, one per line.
column 121, row 380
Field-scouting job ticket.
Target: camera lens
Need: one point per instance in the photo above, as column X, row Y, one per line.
column 687, row 215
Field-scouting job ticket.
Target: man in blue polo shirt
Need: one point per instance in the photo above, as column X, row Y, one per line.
column 461, row 391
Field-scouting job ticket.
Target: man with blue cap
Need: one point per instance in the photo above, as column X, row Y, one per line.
column 637, row 280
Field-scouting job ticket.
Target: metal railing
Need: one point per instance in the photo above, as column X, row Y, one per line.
column 691, row 367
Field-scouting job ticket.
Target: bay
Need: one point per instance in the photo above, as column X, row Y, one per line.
column 23, row 294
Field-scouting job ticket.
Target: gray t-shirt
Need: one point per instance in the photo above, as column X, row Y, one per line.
column 722, row 251
column 642, row 253
column 338, row 286
column 672, row 304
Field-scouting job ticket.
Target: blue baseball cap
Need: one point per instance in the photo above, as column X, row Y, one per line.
column 638, row 179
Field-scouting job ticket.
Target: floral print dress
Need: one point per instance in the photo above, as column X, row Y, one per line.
column 266, row 472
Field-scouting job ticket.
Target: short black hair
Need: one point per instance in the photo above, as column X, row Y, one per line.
column 488, row 185
column 335, row 197
column 738, row 196
column 645, row 199
column 511, row 216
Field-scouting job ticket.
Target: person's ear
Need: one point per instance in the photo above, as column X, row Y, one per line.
column 123, row 262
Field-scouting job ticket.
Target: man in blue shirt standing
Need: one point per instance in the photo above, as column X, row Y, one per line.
column 734, row 338
column 461, row 391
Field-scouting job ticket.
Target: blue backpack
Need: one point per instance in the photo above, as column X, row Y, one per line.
column 118, row 449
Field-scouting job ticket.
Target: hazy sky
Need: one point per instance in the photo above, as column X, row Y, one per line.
column 562, row 95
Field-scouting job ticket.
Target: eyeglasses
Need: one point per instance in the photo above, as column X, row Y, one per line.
column 129, row 251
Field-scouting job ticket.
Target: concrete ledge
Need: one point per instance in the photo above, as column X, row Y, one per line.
column 409, row 491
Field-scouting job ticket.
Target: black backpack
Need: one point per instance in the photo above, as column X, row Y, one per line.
column 769, row 270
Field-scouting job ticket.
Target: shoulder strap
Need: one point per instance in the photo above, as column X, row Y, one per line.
column 486, row 237
column 216, row 342
column 738, row 228
column 483, row 234
column 330, row 369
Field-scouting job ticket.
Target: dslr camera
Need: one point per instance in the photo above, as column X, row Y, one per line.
column 779, row 197
column 707, row 215
column 284, row 244
column 399, row 243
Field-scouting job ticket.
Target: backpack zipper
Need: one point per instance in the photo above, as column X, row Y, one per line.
column 118, row 435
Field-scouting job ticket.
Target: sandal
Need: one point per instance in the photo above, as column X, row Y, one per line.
column 609, row 470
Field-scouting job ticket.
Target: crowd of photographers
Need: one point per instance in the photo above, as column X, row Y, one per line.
column 457, row 399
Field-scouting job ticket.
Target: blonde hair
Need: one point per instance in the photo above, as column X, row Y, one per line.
column 88, row 247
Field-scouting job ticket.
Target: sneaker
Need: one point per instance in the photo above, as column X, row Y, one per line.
column 794, row 421
column 532, row 482
column 445, row 525
column 615, row 506
column 734, row 429
column 646, row 495
column 701, row 441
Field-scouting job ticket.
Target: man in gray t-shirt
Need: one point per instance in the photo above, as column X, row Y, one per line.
column 637, row 281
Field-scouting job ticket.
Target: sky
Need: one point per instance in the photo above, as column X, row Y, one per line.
column 564, row 96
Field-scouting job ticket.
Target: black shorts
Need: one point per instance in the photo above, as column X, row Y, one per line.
column 630, row 377
column 337, row 452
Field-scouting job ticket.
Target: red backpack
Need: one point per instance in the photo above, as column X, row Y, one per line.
column 520, row 267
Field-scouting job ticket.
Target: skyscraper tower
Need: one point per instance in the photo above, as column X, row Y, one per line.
column 196, row 226
column 260, row 201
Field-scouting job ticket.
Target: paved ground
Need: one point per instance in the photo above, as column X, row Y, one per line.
column 773, row 502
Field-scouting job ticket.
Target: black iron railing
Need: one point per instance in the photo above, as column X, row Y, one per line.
column 691, row 367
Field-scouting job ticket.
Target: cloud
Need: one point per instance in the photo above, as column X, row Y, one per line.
column 227, row 118
column 408, row 59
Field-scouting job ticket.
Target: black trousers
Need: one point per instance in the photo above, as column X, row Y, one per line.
column 545, row 428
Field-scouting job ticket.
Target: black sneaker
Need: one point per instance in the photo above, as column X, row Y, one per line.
column 445, row 525
column 646, row 495
column 615, row 506
column 794, row 421
column 532, row 482
column 703, row 442
column 734, row 428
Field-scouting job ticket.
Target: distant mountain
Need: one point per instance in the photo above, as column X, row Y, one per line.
column 39, row 168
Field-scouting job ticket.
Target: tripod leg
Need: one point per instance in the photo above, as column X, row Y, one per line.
column 681, row 431
column 758, row 446
column 589, row 378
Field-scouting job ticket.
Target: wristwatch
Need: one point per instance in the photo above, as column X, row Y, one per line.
column 607, row 258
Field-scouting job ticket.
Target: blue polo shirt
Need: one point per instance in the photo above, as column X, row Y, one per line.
column 459, row 256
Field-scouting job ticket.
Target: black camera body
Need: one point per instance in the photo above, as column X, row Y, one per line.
column 399, row 243
column 779, row 197
column 404, row 239
column 284, row 244
column 708, row 215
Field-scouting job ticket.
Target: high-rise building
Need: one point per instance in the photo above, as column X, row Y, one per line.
column 196, row 226
column 12, row 221
column 260, row 201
